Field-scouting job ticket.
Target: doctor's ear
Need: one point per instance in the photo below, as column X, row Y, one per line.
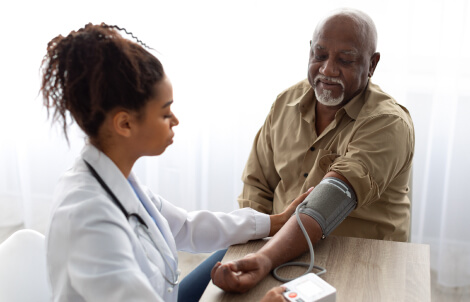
column 122, row 123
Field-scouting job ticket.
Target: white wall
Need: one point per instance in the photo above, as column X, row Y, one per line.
column 227, row 61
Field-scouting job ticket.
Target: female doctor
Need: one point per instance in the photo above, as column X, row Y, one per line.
column 110, row 238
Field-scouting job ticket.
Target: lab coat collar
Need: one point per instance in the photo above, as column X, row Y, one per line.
column 113, row 177
column 120, row 186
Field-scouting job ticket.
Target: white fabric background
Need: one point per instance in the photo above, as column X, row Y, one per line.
column 228, row 60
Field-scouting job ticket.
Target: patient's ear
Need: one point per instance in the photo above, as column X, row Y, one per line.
column 122, row 123
column 374, row 60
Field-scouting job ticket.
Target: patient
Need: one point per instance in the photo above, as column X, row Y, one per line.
column 110, row 238
column 336, row 131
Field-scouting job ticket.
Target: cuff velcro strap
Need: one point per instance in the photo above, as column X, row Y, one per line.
column 329, row 203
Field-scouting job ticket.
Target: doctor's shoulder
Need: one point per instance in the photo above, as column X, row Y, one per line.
column 79, row 199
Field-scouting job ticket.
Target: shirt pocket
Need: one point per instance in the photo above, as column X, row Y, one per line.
column 325, row 159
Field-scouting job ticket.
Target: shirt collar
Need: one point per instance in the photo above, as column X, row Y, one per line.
column 354, row 106
column 307, row 102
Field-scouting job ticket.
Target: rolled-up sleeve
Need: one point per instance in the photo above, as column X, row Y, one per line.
column 379, row 149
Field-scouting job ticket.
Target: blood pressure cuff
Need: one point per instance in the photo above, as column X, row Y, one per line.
column 329, row 203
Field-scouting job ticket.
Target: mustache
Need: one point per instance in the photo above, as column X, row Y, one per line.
column 329, row 79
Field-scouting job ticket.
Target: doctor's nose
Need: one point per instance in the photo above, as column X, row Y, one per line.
column 174, row 121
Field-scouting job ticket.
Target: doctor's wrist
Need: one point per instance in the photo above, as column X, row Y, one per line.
column 277, row 221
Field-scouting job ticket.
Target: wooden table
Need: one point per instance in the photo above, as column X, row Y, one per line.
column 360, row 270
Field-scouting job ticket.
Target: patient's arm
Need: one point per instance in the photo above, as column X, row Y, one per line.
column 288, row 243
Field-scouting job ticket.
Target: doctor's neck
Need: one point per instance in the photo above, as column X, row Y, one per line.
column 118, row 151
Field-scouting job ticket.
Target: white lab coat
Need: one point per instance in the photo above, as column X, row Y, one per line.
column 94, row 254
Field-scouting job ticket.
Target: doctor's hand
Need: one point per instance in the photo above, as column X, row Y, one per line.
column 274, row 294
column 241, row 275
column 278, row 220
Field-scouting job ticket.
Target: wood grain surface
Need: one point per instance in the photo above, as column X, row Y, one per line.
column 360, row 270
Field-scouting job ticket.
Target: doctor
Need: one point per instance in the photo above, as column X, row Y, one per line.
column 110, row 238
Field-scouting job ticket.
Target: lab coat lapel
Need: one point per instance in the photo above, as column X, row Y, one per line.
column 160, row 225
column 112, row 177
column 120, row 186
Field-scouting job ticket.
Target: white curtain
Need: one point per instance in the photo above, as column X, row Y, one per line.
column 228, row 60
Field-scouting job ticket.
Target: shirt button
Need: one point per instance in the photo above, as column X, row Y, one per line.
column 305, row 175
column 312, row 148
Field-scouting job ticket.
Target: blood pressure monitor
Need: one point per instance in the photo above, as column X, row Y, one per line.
column 309, row 288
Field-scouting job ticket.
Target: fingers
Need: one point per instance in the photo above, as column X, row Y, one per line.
column 223, row 277
column 275, row 294
column 245, row 264
column 214, row 269
column 305, row 194
column 278, row 290
column 291, row 208
column 238, row 276
column 302, row 197
column 278, row 220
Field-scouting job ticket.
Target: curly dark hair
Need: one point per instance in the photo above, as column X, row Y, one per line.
column 94, row 70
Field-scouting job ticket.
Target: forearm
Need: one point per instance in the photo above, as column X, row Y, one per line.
column 277, row 221
column 290, row 241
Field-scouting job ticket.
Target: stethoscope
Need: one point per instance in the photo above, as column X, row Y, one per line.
column 140, row 225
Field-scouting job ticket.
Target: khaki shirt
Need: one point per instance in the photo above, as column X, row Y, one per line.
column 370, row 142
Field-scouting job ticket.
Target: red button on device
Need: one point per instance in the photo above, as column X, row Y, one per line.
column 292, row 295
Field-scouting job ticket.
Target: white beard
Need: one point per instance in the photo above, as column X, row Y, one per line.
column 325, row 98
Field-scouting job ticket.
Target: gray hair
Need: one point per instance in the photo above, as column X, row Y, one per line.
column 365, row 25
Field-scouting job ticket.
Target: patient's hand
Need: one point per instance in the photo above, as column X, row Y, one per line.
column 241, row 275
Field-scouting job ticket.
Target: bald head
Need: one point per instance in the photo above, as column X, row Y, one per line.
column 342, row 56
column 361, row 22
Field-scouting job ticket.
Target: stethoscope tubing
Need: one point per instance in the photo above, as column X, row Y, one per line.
column 136, row 216
column 113, row 197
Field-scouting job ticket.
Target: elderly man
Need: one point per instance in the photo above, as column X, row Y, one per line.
column 340, row 133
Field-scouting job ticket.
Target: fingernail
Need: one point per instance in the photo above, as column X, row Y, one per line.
column 311, row 188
